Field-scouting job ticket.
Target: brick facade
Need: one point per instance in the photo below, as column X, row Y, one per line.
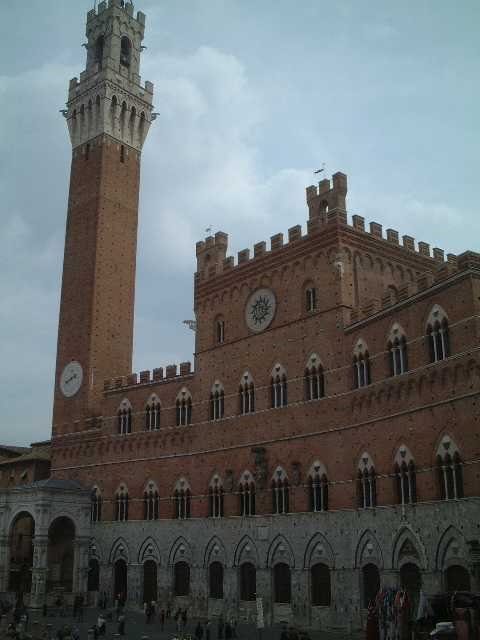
column 391, row 333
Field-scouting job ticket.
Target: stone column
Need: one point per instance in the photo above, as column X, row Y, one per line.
column 165, row 594
column 198, row 591
column 80, row 565
column 231, row 597
column 39, row 571
column 264, row 591
column 301, row 610
column 106, row 577
column 135, row 583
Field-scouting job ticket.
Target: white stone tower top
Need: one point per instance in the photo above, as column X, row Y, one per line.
column 109, row 98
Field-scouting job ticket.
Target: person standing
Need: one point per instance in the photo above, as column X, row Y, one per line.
column 208, row 628
column 162, row 619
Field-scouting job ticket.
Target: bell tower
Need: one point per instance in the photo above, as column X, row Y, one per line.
column 108, row 114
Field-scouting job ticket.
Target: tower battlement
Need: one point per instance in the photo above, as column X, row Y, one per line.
column 109, row 97
column 327, row 207
column 127, row 7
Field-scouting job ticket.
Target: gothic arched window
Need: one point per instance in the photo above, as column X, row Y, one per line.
column 438, row 335
column 152, row 414
column 183, row 408
column 318, row 488
column 215, row 498
column 397, row 348
column 96, row 505
column 99, row 45
column 280, row 492
column 246, row 492
column 124, row 418
column 367, row 483
column 125, row 51
column 151, row 502
column 361, row 366
column 121, row 503
column 279, row 397
column 182, row 499
column 405, row 477
column 217, row 402
column 314, row 379
column 450, row 470
column 247, row 394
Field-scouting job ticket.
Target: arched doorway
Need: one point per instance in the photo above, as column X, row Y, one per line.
column 150, row 581
column 93, row 582
column 370, row 583
column 61, row 537
column 282, row 583
column 120, row 579
column 21, row 553
column 411, row 582
column 457, row 578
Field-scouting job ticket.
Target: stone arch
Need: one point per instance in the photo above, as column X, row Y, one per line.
column 318, row 550
column 368, row 550
column 19, row 512
column 246, row 551
column 214, row 552
column 149, row 551
column 408, row 548
column 451, row 549
column 180, row 551
column 280, row 551
column 119, row 551
column 436, row 314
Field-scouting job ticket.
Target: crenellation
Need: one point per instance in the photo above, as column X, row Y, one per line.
column 451, row 257
column 358, row 223
column 228, row 263
column 144, row 376
column 171, row 370
column 243, row 256
column 276, row 241
column 438, row 254
column 468, row 260
column 376, row 229
column 424, row 248
column 185, row 368
column 259, row 249
column 157, row 374
column 392, row 236
column 444, row 270
column 409, row 243
column 295, row 233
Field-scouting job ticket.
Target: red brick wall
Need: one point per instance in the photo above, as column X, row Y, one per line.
column 96, row 310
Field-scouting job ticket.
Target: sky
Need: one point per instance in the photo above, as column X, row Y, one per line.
column 253, row 96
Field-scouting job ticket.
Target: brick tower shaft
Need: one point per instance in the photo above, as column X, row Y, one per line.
column 108, row 114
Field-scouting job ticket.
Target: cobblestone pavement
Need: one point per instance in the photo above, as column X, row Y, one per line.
column 136, row 628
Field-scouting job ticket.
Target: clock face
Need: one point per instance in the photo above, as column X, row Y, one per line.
column 71, row 379
column 260, row 310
